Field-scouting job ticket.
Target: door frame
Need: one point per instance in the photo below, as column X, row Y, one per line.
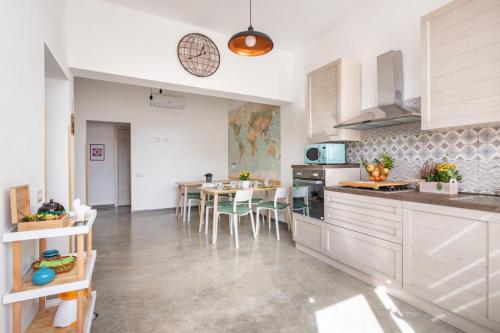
column 119, row 127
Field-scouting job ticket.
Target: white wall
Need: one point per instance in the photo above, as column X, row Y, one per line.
column 379, row 26
column 101, row 174
column 129, row 44
column 197, row 138
column 25, row 25
column 58, row 103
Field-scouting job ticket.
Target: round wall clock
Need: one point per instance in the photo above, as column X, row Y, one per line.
column 198, row 54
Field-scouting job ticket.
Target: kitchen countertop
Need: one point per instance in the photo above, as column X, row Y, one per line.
column 325, row 166
column 488, row 203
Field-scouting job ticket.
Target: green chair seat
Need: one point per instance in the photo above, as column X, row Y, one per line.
column 270, row 205
column 299, row 204
column 228, row 209
column 194, row 195
column 210, row 203
column 256, row 200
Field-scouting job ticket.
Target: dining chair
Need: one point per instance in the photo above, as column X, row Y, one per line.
column 276, row 206
column 193, row 198
column 301, row 199
column 209, row 203
column 241, row 206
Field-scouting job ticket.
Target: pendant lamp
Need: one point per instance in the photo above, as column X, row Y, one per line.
column 250, row 42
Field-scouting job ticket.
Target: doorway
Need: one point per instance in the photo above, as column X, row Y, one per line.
column 123, row 165
column 108, row 174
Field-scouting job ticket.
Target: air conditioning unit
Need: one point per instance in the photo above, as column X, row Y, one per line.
column 169, row 102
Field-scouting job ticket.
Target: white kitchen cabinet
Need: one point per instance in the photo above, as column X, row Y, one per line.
column 461, row 65
column 446, row 257
column 377, row 217
column 334, row 96
column 308, row 232
column 494, row 272
column 365, row 233
column 373, row 256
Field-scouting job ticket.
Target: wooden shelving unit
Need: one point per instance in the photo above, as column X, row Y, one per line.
column 79, row 278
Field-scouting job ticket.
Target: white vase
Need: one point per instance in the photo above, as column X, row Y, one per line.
column 245, row 184
column 450, row 188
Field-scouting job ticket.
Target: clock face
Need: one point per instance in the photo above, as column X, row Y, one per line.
column 198, row 55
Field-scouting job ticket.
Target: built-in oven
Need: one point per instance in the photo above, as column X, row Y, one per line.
column 308, row 192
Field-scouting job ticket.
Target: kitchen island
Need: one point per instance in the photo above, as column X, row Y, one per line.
column 439, row 253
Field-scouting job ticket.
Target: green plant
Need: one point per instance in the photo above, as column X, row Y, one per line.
column 244, row 175
column 443, row 172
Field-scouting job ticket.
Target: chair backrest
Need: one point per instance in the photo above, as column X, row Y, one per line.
column 242, row 196
column 301, row 192
column 281, row 193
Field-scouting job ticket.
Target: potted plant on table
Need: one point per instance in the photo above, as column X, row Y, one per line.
column 440, row 177
column 245, row 179
column 208, row 177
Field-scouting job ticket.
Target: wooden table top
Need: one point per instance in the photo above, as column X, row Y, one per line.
column 214, row 190
column 199, row 182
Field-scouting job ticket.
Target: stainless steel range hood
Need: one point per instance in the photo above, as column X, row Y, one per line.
column 392, row 110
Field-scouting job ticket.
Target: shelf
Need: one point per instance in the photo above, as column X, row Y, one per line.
column 42, row 323
column 62, row 282
column 76, row 229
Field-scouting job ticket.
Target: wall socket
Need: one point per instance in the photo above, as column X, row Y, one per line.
column 160, row 140
column 39, row 196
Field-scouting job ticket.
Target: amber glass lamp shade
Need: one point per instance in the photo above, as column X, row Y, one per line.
column 250, row 43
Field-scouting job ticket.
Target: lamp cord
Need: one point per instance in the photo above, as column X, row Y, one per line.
column 250, row 12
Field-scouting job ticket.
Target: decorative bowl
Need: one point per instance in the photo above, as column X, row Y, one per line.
column 43, row 276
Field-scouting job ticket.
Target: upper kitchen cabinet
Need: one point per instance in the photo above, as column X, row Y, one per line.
column 334, row 95
column 461, row 65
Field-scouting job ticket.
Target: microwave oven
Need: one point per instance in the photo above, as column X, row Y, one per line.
column 324, row 153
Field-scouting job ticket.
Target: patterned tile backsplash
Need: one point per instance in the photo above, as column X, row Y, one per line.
column 475, row 151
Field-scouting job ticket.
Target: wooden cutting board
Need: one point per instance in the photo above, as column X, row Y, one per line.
column 374, row 185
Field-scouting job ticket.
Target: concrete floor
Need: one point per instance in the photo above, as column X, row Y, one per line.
column 156, row 274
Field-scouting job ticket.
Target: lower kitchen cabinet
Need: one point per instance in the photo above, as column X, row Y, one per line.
column 373, row 256
column 442, row 259
column 446, row 258
column 308, row 232
column 494, row 272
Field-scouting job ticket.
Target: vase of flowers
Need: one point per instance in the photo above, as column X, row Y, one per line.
column 440, row 177
column 245, row 179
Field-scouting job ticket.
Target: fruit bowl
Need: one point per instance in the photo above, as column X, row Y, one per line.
column 378, row 170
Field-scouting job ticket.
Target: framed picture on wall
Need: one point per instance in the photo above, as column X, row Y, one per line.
column 96, row 152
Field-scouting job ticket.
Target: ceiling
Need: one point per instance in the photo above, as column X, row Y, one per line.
column 290, row 23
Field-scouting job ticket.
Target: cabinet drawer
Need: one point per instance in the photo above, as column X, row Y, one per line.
column 375, row 257
column 365, row 205
column 445, row 256
column 389, row 230
column 308, row 232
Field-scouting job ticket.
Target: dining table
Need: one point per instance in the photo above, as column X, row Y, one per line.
column 225, row 190
column 183, row 189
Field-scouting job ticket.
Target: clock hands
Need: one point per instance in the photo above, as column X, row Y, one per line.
column 202, row 52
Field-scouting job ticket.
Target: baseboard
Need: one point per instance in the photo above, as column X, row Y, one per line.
column 432, row 309
column 166, row 210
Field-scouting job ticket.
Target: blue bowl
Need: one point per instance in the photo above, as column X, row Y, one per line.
column 43, row 276
column 50, row 253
